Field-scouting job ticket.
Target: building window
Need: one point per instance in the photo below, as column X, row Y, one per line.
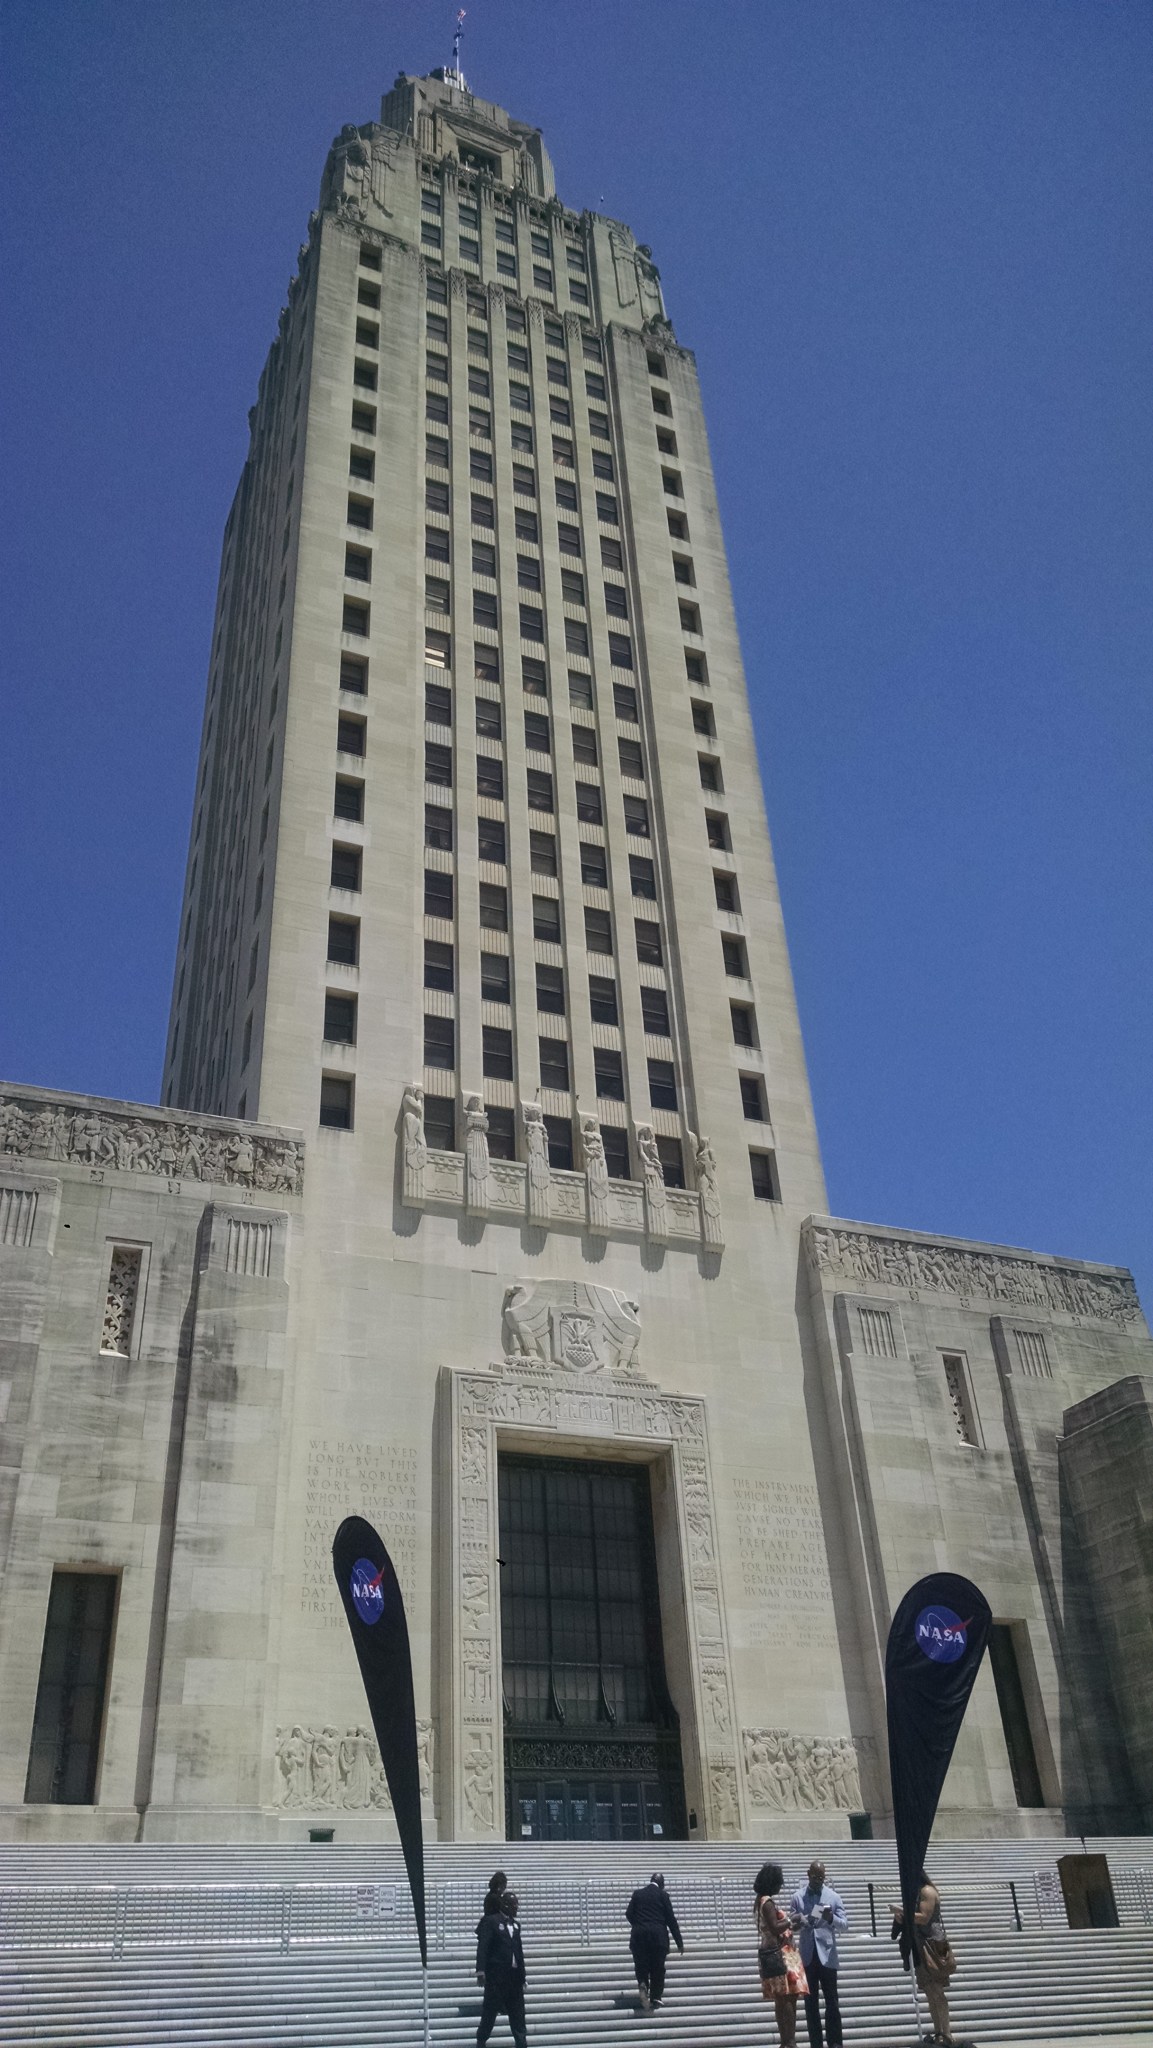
column 501, row 1133
column 616, row 1143
column 558, row 1131
column 354, row 674
column 961, row 1398
column 610, row 1079
column 763, row 1168
column 710, row 772
column 121, row 1299
column 437, row 649
column 717, row 831
column 490, row 778
column 438, row 827
column 598, row 930
column 620, row 651
column 1008, row 1651
column 483, row 512
column 363, row 419
column 369, row 256
column 752, row 1098
column 625, row 702
column 437, row 704
column 436, row 543
column 336, row 1101
column 648, row 942
column 584, row 745
column 744, row 1029
column 340, row 1019
column 642, row 876
column 343, row 940
column 580, row 691
column 439, row 966
column 736, row 964
column 490, row 842
column 672, row 1161
column 576, row 637
column 494, row 978
column 537, row 733
column 496, row 1053
column 345, row 870
column 540, row 796
column 438, row 764
column 603, row 1000
column 631, row 759
column 348, row 799
column 546, row 920
column 523, row 480
column 350, row 735
column 71, row 1696
column 553, row 1063
column 364, row 375
column 533, row 677
column 550, row 990
column 531, row 622
column 436, row 594
column 588, row 804
column 360, row 512
column 725, row 890
column 594, row 865
column 662, row 1084
column 672, row 483
column 637, row 816
column 436, row 496
column 480, row 466
column 489, row 724
column 355, row 618
column 493, row 907
column 696, row 669
column 439, row 1042
column 1032, row 1355
column 655, row 1012
column 437, row 894
column 440, row 1122
column 877, row 1332
column 542, row 853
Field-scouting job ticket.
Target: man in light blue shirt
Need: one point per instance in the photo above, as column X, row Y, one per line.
column 818, row 1912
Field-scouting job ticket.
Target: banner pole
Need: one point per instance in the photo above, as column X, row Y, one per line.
column 424, row 1983
column 916, row 2004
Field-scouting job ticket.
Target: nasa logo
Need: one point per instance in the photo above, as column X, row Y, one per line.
column 940, row 1634
column 364, row 1586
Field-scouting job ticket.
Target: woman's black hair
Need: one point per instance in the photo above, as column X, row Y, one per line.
column 769, row 1879
column 498, row 1882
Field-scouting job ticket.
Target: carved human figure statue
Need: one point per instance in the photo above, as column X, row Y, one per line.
column 596, row 1174
column 652, row 1173
column 475, row 1152
column 414, row 1150
column 708, row 1190
column 539, row 1174
column 520, row 1340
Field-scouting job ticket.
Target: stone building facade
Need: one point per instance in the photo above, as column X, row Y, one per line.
column 486, row 1199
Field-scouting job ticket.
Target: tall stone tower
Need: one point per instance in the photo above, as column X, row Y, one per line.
column 480, row 897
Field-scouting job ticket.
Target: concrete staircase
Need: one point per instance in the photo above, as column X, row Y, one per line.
column 314, row 1947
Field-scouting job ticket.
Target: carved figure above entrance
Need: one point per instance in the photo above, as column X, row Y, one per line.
column 572, row 1326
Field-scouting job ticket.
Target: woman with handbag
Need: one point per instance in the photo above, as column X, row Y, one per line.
column 782, row 1972
column 935, row 1959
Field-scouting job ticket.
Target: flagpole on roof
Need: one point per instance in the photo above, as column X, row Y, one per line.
column 455, row 67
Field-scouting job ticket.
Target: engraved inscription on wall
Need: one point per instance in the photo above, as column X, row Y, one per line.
column 781, row 1542
column 348, row 1477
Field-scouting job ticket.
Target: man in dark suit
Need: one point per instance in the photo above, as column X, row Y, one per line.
column 500, row 1968
column 650, row 1915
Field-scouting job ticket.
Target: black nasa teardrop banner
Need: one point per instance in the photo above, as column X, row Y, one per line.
column 934, row 1652
column 374, row 1605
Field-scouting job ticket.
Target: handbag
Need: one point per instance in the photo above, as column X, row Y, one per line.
column 937, row 1956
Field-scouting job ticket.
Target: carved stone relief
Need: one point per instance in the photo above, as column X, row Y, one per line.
column 567, row 1324
column 340, row 1769
column 164, row 1142
column 865, row 1258
column 788, row 1773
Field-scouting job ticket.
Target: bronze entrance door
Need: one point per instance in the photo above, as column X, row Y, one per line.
column 592, row 1745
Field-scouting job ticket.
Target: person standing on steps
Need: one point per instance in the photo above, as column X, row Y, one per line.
column 497, row 1887
column 936, row 1961
column 818, row 1914
column 650, row 1915
column 500, row 1968
column 782, row 1972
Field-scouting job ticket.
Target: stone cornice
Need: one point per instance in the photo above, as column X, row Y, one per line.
column 134, row 1137
column 869, row 1256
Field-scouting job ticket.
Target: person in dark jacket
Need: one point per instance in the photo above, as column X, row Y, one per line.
column 650, row 1915
column 497, row 1887
column 500, row 1968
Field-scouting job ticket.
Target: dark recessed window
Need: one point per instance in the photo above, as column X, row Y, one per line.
column 493, row 907
column 569, row 539
column 340, row 1019
column 553, row 1062
column 484, row 609
column 625, row 702
column 488, row 718
column 483, row 511
column 584, row 745
column 438, row 894
column 436, row 543
column 608, row 511
column 703, row 720
column 550, row 989
column 345, row 870
column 588, row 803
column 348, row 799
column 537, row 734
column 483, row 558
column 648, row 942
column 734, row 957
column 610, row 1079
column 436, row 594
column 480, row 466
column 672, row 1161
column 662, row 1084
column 501, row 1133
column 494, row 977
column 439, row 1042
column 355, row 618
column 437, row 764
column 558, row 1130
column 72, row 1692
column 350, row 735
column 616, row 1143
column 620, row 651
column 343, row 940
column 566, row 494
column 440, row 1122
column 496, row 1052
column 354, row 673
column 531, row 623
column 717, row 830
column 438, row 827
column 523, row 480
column 753, row 1097
column 526, row 524
column 436, row 495
column 655, row 1011
column 540, row 796
column 572, row 585
column 542, row 853
column 594, row 865
column 726, row 892
column 364, row 375
column 763, row 1168
column 598, row 930
column 690, row 619
column 437, row 704
column 576, row 636
column 603, row 1000
column 580, row 691
column 363, row 419
column 710, row 772
column 336, row 1101
column 533, row 677
column 683, row 570
column 546, row 919
column 528, row 572
column 743, row 1028
column 439, row 968
column 490, row 842
column 490, row 778
column 437, row 649
column 695, row 668
column 642, row 876
column 360, row 512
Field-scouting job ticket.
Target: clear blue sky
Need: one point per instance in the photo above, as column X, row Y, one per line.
column 910, row 241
